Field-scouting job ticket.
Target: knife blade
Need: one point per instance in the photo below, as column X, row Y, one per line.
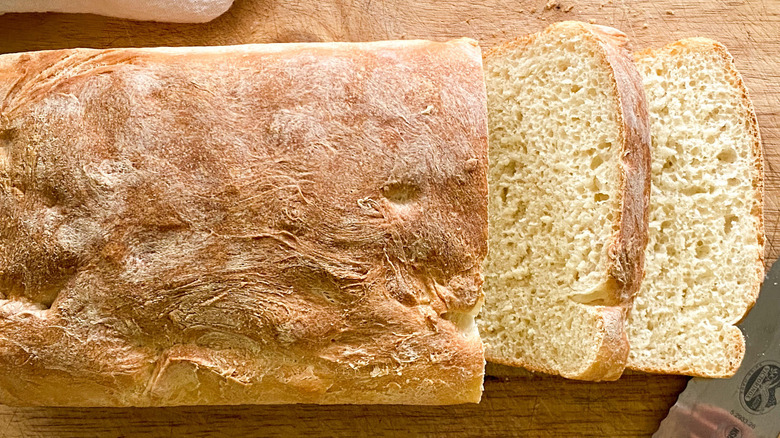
column 745, row 405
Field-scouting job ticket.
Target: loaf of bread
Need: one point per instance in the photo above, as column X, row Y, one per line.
column 705, row 259
column 568, row 193
column 301, row 223
column 175, row 11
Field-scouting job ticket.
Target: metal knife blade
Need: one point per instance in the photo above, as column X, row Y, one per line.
column 745, row 405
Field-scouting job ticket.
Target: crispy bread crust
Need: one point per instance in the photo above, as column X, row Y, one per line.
column 288, row 223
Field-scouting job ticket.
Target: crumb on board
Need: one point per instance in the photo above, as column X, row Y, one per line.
column 555, row 4
column 645, row 25
column 669, row 12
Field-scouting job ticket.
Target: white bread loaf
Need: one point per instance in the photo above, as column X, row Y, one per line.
column 175, row 11
column 284, row 223
column 568, row 191
column 704, row 263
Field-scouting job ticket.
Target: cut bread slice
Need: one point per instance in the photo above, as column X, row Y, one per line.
column 568, row 193
column 706, row 243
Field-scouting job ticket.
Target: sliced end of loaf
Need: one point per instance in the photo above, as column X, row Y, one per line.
column 568, row 188
column 705, row 254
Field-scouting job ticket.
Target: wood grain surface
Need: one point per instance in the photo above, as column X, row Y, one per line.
column 512, row 406
column 516, row 403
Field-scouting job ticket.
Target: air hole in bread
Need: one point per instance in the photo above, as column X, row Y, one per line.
column 729, row 223
column 702, row 250
column 504, row 192
column 727, row 156
column 511, row 168
column 693, row 190
column 669, row 164
column 712, row 115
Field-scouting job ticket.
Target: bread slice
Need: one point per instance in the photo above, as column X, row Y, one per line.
column 705, row 255
column 568, row 192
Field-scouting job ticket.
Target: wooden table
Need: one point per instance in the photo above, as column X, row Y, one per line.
column 515, row 402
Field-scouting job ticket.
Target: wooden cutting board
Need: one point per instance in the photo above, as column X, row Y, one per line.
column 515, row 402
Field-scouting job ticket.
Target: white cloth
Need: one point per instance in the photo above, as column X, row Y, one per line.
column 175, row 11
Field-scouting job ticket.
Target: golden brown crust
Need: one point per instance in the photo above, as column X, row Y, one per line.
column 296, row 223
column 738, row 341
column 626, row 251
